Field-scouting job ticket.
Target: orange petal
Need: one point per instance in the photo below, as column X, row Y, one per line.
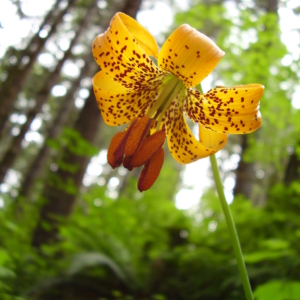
column 115, row 141
column 227, row 110
column 120, row 54
column 189, row 55
column 143, row 37
column 183, row 146
column 150, row 146
column 151, row 171
column 137, row 135
column 211, row 139
column 119, row 105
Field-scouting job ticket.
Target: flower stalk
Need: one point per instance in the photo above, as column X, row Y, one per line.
column 232, row 230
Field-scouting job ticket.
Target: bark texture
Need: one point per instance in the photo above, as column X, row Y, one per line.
column 245, row 175
column 60, row 201
column 18, row 73
column 42, row 97
column 292, row 172
column 39, row 163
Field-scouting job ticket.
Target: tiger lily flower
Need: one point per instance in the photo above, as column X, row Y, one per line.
column 155, row 98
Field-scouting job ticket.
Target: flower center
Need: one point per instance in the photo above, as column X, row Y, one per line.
column 136, row 146
column 171, row 87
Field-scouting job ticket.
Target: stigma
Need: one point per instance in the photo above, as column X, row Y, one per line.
column 136, row 147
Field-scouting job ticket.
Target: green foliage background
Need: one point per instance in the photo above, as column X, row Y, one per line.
column 140, row 246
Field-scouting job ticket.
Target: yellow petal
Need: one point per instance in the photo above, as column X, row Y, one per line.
column 119, row 105
column 189, row 55
column 227, row 110
column 212, row 140
column 141, row 35
column 182, row 144
column 119, row 53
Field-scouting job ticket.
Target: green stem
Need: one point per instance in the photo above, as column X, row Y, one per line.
column 232, row 230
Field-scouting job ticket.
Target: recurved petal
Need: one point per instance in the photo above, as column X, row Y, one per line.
column 141, row 35
column 189, row 55
column 122, row 53
column 119, row 105
column 183, row 146
column 212, row 140
column 227, row 110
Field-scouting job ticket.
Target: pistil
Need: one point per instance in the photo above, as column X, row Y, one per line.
column 167, row 88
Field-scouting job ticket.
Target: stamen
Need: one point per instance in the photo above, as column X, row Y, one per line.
column 169, row 84
column 120, row 149
column 114, row 143
column 151, row 171
column 148, row 148
column 127, row 164
column 168, row 101
column 137, row 135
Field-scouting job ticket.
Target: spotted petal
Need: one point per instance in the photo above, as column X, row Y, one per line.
column 212, row 140
column 184, row 147
column 119, row 105
column 122, row 52
column 227, row 110
column 189, row 55
column 141, row 35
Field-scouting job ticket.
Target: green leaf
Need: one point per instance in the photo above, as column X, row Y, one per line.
column 4, row 256
column 278, row 290
column 6, row 273
column 85, row 260
column 256, row 257
column 275, row 244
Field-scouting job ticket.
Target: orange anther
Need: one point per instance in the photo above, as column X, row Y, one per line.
column 151, row 171
column 150, row 146
column 126, row 163
column 111, row 158
column 119, row 150
column 137, row 135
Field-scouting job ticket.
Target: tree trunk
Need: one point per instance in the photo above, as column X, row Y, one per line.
column 35, row 168
column 245, row 175
column 292, row 172
column 60, row 200
column 41, row 97
column 17, row 74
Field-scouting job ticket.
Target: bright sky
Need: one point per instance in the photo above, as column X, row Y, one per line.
column 194, row 176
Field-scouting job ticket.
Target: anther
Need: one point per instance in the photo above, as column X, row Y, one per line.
column 126, row 163
column 114, row 143
column 137, row 135
column 120, row 149
column 117, row 145
column 151, row 171
column 148, row 148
